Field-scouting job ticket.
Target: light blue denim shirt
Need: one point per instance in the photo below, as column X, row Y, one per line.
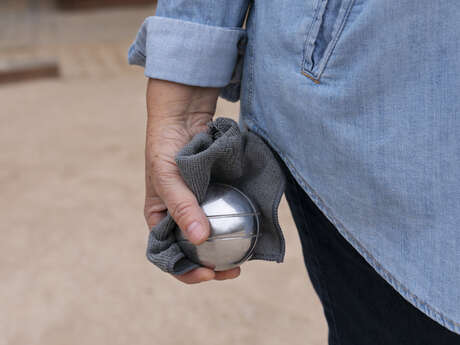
column 360, row 98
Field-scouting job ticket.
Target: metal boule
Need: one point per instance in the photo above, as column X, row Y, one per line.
column 234, row 226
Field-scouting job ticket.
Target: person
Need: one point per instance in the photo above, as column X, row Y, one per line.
column 360, row 100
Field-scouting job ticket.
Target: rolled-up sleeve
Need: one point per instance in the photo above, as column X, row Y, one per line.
column 191, row 42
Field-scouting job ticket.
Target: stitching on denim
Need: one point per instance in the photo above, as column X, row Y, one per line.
column 337, row 33
column 314, row 36
column 316, row 81
column 318, row 273
column 318, row 69
column 309, row 32
column 402, row 289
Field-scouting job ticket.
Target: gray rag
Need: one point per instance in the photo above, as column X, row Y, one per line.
column 225, row 154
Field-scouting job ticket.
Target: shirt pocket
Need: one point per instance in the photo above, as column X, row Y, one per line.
column 330, row 17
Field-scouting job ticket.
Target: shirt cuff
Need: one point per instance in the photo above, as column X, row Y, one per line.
column 186, row 52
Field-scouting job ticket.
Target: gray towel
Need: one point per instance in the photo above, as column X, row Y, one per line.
column 228, row 155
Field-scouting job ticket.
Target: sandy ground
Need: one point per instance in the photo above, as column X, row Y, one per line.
column 72, row 250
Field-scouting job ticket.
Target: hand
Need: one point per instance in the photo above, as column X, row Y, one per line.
column 177, row 112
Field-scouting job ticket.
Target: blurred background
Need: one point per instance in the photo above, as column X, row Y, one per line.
column 72, row 251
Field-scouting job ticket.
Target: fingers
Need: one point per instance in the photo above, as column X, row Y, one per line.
column 196, row 276
column 166, row 190
column 202, row 274
column 229, row 274
column 187, row 213
column 182, row 205
column 180, row 201
column 154, row 210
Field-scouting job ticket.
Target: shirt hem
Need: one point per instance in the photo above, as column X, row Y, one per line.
column 399, row 287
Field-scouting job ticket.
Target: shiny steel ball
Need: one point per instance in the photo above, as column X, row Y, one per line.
column 234, row 227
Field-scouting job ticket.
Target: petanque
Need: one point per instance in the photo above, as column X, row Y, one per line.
column 234, row 229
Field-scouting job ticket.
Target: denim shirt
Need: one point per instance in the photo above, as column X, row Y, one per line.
column 360, row 98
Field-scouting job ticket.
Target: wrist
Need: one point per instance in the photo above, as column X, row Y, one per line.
column 174, row 101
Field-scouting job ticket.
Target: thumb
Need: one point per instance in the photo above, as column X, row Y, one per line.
column 182, row 205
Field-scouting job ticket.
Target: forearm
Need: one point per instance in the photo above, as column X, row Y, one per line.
column 174, row 101
column 189, row 51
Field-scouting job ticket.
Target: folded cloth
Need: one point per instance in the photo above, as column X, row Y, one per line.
column 225, row 154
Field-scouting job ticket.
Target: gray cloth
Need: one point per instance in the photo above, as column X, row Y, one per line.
column 225, row 154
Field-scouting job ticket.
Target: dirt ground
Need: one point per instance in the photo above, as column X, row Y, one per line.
column 72, row 250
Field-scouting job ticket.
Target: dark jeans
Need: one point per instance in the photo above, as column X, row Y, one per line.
column 361, row 308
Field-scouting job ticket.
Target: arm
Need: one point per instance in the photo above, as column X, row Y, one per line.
column 189, row 50
column 191, row 42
